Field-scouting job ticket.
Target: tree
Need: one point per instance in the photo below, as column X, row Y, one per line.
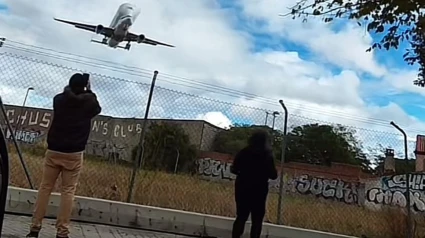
column 323, row 144
column 397, row 21
column 234, row 139
column 166, row 144
column 311, row 143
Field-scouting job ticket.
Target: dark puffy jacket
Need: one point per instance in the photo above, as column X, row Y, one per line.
column 71, row 125
column 254, row 167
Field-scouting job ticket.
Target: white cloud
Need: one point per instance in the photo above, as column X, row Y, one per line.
column 345, row 48
column 210, row 50
column 216, row 118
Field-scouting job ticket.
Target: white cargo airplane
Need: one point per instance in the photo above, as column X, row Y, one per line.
column 118, row 31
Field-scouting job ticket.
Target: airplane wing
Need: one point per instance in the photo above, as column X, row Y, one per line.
column 106, row 31
column 134, row 37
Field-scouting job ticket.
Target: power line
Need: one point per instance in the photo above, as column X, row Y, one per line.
column 223, row 91
column 189, row 85
column 186, row 80
column 180, row 81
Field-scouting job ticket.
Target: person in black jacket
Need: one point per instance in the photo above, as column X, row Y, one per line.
column 254, row 166
column 73, row 110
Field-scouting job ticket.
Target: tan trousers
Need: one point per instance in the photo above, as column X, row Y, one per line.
column 68, row 165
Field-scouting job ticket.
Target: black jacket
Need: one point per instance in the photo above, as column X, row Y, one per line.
column 254, row 167
column 71, row 125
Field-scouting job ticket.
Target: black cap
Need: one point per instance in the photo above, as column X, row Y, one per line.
column 77, row 82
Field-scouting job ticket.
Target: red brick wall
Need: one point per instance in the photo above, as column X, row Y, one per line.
column 346, row 172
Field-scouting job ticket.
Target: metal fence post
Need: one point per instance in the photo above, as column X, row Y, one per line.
column 140, row 151
column 4, row 170
column 409, row 212
column 18, row 149
column 282, row 161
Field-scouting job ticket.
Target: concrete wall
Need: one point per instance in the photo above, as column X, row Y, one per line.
column 390, row 191
column 34, row 123
column 338, row 182
column 112, row 138
column 209, row 133
column 144, row 217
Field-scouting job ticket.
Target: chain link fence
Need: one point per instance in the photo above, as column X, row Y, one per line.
column 332, row 178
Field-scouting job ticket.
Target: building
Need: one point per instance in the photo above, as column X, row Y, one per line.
column 110, row 136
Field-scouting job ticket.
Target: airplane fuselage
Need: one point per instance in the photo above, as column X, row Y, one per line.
column 119, row 29
column 124, row 18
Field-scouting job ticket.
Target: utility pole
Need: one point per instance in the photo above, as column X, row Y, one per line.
column 267, row 116
column 275, row 114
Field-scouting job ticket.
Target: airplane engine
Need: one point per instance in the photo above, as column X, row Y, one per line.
column 99, row 29
column 141, row 38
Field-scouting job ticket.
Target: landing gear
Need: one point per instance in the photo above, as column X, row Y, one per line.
column 127, row 46
column 104, row 41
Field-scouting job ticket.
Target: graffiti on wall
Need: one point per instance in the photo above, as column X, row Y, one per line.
column 392, row 191
column 215, row 169
column 117, row 130
column 306, row 185
column 30, row 118
column 335, row 189
column 110, row 151
column 24, row 135
column 29, row 137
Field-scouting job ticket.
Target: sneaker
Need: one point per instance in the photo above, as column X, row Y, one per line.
column 33, row 234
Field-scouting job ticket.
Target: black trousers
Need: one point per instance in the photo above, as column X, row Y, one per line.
column 249, row 201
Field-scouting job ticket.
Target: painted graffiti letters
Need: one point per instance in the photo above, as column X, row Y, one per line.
column 417, row 181
column 392, row 192
column 118, row 130
column 215, row 169
column 304, row 184
column 107, row 150
column 387, row 197
column 29, row 137
column 100, row 125
column 336, row 189
column 10, row 115
column 122, row 130
column 29, row 117
column 395, row 198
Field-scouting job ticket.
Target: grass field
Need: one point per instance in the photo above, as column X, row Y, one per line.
column 184, row 192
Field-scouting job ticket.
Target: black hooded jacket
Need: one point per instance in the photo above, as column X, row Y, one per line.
column 72, row 115
column 254, row 165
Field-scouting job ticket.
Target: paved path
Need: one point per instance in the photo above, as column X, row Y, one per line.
column 17, row 226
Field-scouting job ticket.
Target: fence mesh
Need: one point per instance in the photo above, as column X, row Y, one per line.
column 330, row 170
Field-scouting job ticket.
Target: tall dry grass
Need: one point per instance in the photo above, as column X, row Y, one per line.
column 104, row 180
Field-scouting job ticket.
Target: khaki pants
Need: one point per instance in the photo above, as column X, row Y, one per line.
column 69, row 166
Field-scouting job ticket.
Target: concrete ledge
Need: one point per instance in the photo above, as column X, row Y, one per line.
column 151, row 218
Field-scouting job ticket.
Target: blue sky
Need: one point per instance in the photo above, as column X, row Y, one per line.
column 410, row 102
column 3, row 7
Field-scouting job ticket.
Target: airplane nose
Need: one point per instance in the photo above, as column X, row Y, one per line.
column 127, row 21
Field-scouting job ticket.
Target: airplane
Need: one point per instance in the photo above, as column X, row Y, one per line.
column 118, row 30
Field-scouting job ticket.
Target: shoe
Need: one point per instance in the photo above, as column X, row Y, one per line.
column 62, row 236
column 33, row 234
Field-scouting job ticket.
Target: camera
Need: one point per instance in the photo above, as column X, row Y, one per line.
column 86, row 76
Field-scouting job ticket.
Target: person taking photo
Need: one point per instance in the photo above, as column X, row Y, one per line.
column 73, row 110
column 254, row 166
